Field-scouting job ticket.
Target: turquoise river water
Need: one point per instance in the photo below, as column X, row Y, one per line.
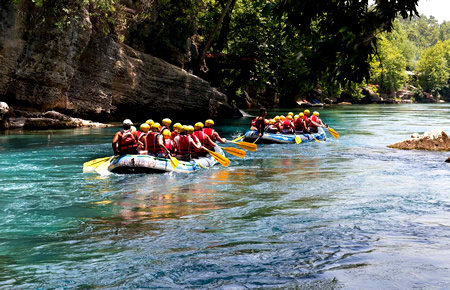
column 348, row 213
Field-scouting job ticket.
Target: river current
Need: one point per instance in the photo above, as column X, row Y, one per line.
column 348, row 213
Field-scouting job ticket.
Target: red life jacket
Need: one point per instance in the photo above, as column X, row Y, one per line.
column 254, row 122
column 307, row 121
column 174, row 134
column 202, row 137
column 168, row 143
column 184, row 144
column 210, row 133
column 287, row 124
column 127, row 141
column 298, row 125
column 152, row 143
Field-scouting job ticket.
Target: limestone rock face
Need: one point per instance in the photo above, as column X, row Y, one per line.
column 75, row 70
column 435, row 140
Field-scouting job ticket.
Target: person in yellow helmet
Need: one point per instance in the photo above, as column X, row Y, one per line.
column 184, row 144
column 272, row 128
column 150, row 122
column 277, row 123
column 125, row 141
column 154, row 142
column 316, row 122
column 306, row 119
column 204, row 139
column 300, row 125
column 209, row 130
column 165, row 124
column 177, row 127
column 168, row 143
column 141, row 134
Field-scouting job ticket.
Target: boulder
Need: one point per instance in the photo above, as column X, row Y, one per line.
column 448, row 160
column 369, row 96
column 435, row 140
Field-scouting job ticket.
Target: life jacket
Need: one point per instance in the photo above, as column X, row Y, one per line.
column 127, row 142
column 287, row 124
column 299, row 125
column 196, row 140
column 254, row 122
column 272, row 128
column 174, row 134
column 210, row 133
column 307, row 121
column 152, row 143
column 202, row 137
column 184, row 145
column 168, row 143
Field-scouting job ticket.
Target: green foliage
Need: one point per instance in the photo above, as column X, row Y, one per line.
column 432, row 68
column 388, row 69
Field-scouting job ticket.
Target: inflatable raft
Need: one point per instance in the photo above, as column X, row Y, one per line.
column 151, row 164
column 270, row 138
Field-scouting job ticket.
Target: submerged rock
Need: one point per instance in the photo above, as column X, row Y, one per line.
column 448, row 160
column 435, row 140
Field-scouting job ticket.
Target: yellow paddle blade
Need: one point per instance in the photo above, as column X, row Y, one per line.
column 174, row 162
column 246, row 145
column 104, row 165
column 238, row 138
column 298, row 140
column 315, row 139
column 234, row 151
column 333, row 132
column 219, row 158
column 93, row 163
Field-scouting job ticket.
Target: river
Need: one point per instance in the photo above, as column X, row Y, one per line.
column 348, row 213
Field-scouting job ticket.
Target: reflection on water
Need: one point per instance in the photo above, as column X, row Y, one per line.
column 346, row 212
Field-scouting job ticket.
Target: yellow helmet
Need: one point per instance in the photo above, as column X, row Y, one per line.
column 277, row 118
column 167, row 134
column 177, row 126
column 282, row 117
column 272, row 121
column 185, row 128
column 133, row 128
column 296, row 116
column 149, row 122
column 301, row 115
column 289, row 117
column 166, row 122
column 198, row 125
column 290, row 113
column 156, row 127
column 306, row 112
column 189, row 129
column 316, row 113
column 144, row 127
column 209, row 122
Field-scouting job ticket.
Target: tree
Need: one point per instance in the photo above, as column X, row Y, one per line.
column 432, row 68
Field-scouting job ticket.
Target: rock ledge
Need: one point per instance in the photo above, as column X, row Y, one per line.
column 435, row 140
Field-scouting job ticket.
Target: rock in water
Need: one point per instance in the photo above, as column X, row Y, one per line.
column 435, row 140
column 448, row 160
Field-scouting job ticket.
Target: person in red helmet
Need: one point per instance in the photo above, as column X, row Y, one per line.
column 125, row 141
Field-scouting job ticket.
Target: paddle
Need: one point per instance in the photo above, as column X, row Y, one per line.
column 245, row 145
column 95, row 162
column 104, row 165
column 173, row 161
column 298, row 140
column 256, row 140
column 234, row 151
column 315, row 138
column 333, row 132
column 219, row 158
column 238, row 138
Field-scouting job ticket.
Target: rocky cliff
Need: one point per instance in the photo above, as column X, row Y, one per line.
column 67, row 66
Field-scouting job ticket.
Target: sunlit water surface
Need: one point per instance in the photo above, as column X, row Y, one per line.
column 348, row 213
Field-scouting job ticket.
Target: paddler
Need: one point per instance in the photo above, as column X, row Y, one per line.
column 168, row 143
column 203, row 138
column 306, row 119
column 154, row 142
column 141, row 134
column 288, row 127
column 125, row 141
column 300, row 125
column 165, row 124
column 209, row 130
column 261, row 121
column 316, row 122
column 277, row 123
column 176, row 129
column 183, row 144
column 272, row 128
